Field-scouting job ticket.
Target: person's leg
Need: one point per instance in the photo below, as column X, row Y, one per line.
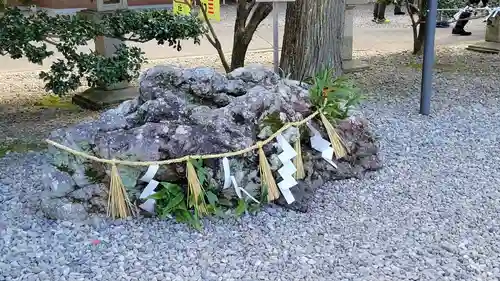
column 375, row 11
column 459, row 28
column 397, row 8
column 381, row 12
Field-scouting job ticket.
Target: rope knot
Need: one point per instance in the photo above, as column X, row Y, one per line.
column 259, row 144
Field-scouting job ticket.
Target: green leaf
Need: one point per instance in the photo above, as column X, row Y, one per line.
column 253, row 208
column 218, row 212
column 172, row 188
column 241, row 208
column 263, row 193
column 225, row 202
column 183, row 216
column 273, row 120
column 212, row 198
column 175, row 202
column 200, row 171
column 156, row 196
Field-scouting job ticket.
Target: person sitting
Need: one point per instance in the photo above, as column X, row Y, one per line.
column 459, row 28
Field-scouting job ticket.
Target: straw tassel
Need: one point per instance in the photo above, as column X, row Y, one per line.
column 299, row 164
column 337, row 143
column 119, row 205
column 196, row 195
column 266, row 176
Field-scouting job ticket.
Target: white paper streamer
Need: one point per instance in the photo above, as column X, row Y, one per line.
column 320, row 144
column 149, row 205
column 149, row 189
column 286, row 172
column 227, row 173
column 150, row 173
column 231, row 180
column 239, row 190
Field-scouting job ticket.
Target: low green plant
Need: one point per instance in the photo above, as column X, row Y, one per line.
column 171, row 201
column 246, row 206
column 336, row 96
column 93, row 175
column 53, row 101
column 65, row 168
column 20, row 146
column 273, row 120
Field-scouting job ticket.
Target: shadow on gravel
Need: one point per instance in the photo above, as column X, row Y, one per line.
column 471, row 75
column 25, row 122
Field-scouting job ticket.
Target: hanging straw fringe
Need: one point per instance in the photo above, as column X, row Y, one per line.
column 299, row 164
column 266, row 176
column 195, row 194
column 119, row 205
column 335, row 139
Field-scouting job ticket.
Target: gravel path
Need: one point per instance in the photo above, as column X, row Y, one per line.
column 430, row 214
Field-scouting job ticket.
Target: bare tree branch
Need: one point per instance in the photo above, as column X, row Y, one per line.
column 251, row 5
column 413, row 22
column 261, row 12
column 132, row 39
column 50, row 41
column 242, row 13
column 214, row 40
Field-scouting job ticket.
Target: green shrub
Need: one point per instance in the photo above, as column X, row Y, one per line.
column 28, row 36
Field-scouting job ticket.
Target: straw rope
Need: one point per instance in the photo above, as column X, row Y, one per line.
column 187, row 157
column 119, row 204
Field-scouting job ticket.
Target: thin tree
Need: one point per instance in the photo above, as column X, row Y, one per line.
column 249, row 15
column 418, row 15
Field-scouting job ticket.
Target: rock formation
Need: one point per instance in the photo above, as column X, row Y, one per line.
column 195, row 111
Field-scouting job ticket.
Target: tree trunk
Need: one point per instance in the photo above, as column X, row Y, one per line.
column 418, row 44
column 418, row 41
column 313, row 37
column 244, row 30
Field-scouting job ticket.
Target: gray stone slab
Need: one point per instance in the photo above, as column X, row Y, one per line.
column 485, row 47
column 97, row 99
column 355, row 65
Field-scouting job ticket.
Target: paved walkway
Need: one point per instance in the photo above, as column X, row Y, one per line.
column 393, row 37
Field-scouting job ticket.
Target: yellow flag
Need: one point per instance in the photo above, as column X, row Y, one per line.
column 212, row 7
column 181, row 8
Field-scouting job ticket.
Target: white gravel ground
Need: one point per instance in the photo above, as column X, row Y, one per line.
column 430, row 214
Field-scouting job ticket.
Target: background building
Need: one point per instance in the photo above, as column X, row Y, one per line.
column 72, row 6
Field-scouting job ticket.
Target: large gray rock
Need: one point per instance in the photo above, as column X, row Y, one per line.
column 195, row 111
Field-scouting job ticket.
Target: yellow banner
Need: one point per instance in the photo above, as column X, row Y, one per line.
column 212, row 7
column 181, row 8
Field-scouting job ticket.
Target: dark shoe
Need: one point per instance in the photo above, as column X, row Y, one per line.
column 460, row 32
column 399, row 13
column 375, row 20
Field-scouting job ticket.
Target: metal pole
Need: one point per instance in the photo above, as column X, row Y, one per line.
column 428, row 64
column 275, row 37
